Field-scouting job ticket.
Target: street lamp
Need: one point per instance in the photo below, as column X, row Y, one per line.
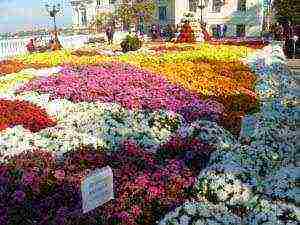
column 295, row 39
column 269, row 14
column 201, row 6
column 53, row 10
column 141, row 22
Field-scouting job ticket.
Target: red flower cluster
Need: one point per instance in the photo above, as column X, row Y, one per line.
column 251, row 43
column 17, row 112
column 186, row 35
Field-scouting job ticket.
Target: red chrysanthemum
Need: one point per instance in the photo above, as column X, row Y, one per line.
column 17, row 112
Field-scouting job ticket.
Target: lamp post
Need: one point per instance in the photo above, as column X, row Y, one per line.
column 269, row 15
column 53, row 10
column 141, row 22
column 201, row 6
column 295, row 39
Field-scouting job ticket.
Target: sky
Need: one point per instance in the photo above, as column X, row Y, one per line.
column 17, row 15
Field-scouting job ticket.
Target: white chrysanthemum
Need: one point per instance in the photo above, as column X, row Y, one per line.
column 15, row 141
column 211, row 133
column 205, row 213
column 41, row 100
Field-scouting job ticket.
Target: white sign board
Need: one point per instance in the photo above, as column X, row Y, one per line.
column 97, row 189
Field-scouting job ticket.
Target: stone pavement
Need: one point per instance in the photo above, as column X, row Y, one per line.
column 294, row 65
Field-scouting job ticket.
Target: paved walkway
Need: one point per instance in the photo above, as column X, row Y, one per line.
column 294, row 65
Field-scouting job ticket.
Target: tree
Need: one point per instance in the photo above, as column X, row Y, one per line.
column 102, row 19
column 285, row 10
column 133, row 11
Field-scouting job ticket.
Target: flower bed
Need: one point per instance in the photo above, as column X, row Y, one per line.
column 201, row 52
column 152, row 180
column 102, row 125
column 242, row 183
column 56, row 58
column 227, row 83
column 165, row 140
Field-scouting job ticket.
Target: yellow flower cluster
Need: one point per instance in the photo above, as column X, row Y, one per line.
column 60, row 57
column 48, row 59
column 208, row 70
column 12, row 80
column 189, row 53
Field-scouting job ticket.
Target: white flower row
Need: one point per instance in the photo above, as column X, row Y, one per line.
column 201, row 213
column 99, row 124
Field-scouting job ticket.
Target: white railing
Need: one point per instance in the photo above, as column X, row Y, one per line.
column 13, row 47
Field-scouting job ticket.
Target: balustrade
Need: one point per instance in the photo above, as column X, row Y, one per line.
column 13, row 47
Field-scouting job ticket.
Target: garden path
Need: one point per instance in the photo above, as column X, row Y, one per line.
column 294, row 65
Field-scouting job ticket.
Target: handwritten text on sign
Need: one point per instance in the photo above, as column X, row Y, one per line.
column 97, row 189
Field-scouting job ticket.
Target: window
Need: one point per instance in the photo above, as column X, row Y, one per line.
column 162, row 10
column 193, row 4
column 215, row 31
column 98, row 2
column 242, row 5
column 112, row 1
column 217, row 4
column 240, row 30
column 83, row 18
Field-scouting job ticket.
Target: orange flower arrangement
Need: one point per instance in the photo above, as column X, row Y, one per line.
column 10, row 66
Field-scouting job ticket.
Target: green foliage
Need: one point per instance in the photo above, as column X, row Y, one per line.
column 129, row 13
column 285, row 8
column 190, row 17
column 131, row 43
column 102, row 19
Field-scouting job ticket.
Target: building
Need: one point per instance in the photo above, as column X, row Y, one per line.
column 242, row 17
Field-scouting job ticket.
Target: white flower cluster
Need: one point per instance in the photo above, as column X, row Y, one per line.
column 200, row 213
column 211, row 133
column 268, row 213
column 258, row 174
column 15, row 141
column 274, row 80
column 99, row 124
column 282, row 185
column 204, row 213
column 45, row 72
column 221, row 183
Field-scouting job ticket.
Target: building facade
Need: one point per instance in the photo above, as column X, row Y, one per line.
column 242, row 17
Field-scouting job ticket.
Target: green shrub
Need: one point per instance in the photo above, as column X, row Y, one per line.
column 131, row 43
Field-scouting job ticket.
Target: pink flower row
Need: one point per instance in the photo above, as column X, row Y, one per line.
column 127, row 85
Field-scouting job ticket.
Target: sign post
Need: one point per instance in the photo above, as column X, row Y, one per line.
column 97, row 189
